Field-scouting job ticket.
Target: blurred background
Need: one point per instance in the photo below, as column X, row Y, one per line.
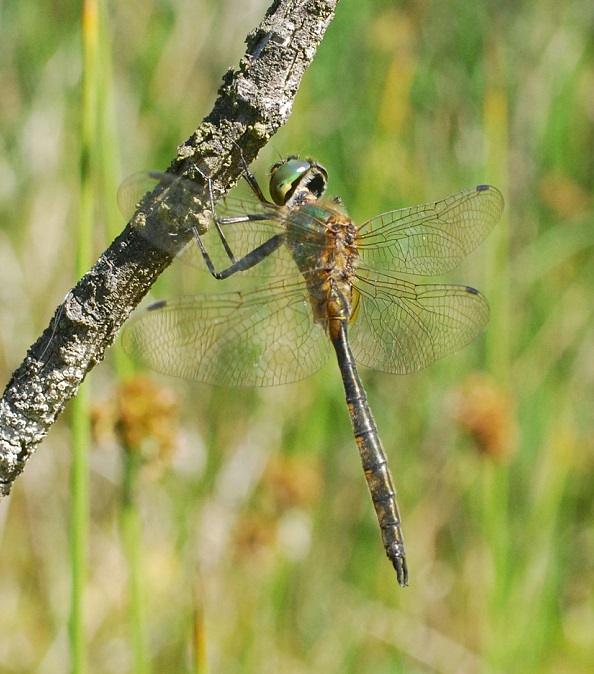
column 231, row 530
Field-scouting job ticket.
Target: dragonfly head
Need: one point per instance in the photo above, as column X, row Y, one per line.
column 294, row 178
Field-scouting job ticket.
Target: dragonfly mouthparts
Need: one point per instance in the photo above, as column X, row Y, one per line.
column 315, row 181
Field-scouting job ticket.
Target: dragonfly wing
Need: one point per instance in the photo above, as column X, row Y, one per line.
column 401, row 327
column 175, row 201
column 243, row 238
column 257, row 338
column 303, row 226
column 182, row 199
column 431, row 239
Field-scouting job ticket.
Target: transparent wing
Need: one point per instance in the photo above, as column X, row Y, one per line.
column 135, row 187
column 242, row 237
column 177, row 202
column 258, row 338
column 431, row 239
column 401, row 327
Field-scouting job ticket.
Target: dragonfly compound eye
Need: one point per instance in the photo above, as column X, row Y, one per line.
column 294, row 173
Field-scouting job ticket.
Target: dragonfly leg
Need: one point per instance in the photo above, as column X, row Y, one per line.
column 250, row 178
column 218, row 222
column 247, row 262
column 253, row 257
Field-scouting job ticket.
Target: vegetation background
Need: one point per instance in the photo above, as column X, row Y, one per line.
column 239, row 536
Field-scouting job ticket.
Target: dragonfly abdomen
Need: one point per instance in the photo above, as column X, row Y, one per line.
column 373, row 457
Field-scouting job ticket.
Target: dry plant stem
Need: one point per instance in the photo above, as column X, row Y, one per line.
column 254, row 102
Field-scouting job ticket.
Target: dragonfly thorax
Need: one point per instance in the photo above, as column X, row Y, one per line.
column 322, row 241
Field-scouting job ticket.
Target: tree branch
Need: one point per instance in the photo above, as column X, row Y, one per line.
column 254, row 102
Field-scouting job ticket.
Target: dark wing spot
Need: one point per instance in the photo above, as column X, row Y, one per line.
column 157, row 305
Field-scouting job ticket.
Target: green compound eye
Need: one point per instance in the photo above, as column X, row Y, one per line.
column 285, row 177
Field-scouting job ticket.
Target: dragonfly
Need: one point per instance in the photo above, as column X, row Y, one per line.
column 334, row 284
